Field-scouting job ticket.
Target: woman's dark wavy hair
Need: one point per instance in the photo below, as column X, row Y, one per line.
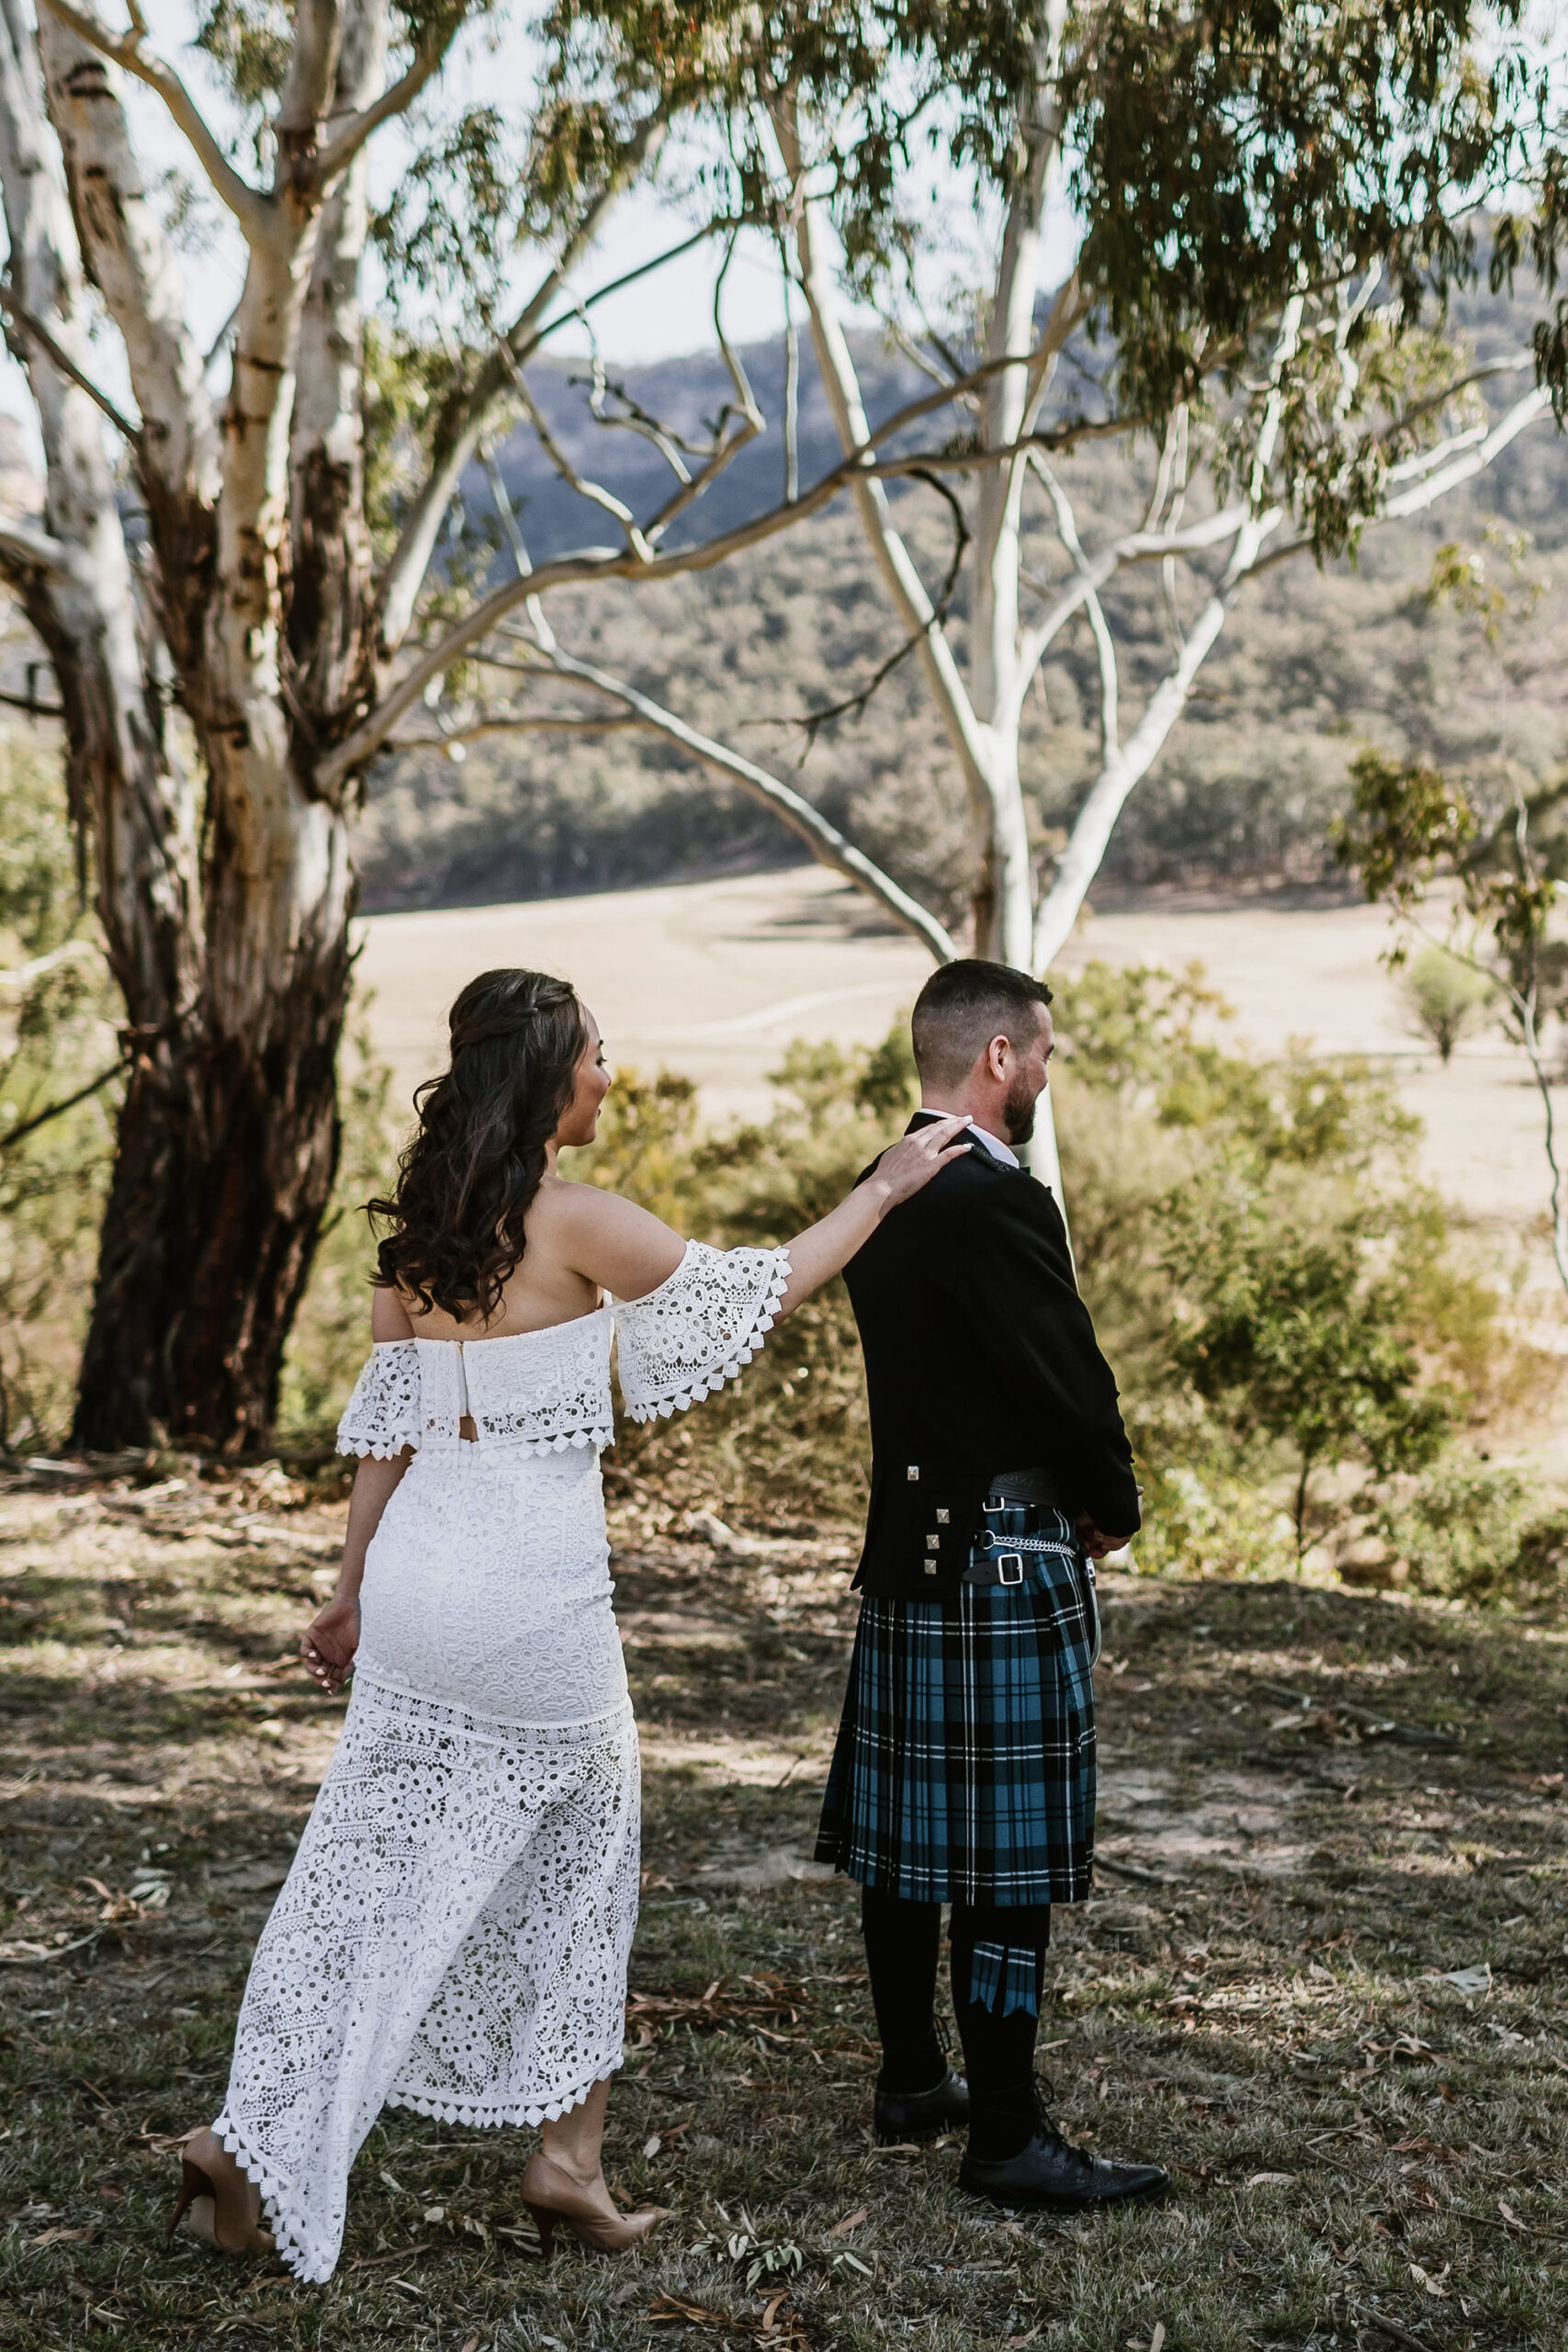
column 468, row 1175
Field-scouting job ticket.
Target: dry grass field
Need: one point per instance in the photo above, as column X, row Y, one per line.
column 714, row 979
column 1322, row 1977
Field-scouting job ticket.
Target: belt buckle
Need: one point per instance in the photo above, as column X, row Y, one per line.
column 1006, row 1560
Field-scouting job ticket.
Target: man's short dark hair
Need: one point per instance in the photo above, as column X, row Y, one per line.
column 963, row 1007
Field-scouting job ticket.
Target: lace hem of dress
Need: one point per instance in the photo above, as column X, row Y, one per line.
column 764, row 1316
column 289, row 2226
column 487, row 2114
column 401, row 1699
column 601, row 1436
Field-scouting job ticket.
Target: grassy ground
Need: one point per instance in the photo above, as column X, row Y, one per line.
column 1367, row 2150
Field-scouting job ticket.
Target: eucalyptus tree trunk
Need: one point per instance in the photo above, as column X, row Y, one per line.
column 225, row 913
column 228, row 1143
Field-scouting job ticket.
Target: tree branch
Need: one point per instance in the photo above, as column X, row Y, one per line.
column 25, row 1128
column 468, row 407
column 1134, row 547
column 611, row 563
column 1105, row 645
column 131, row 260
column 46, row 343
column 815, row 721
column 339, row 152
column 727, row 448
column 34, row 550
column 593, row 491
column 33, row 710
column 1122, row 769
column 837, row 369
column 1106, row 795
column 1476, row 450
column 247, row 204
column 827, row 844
column 513, row 723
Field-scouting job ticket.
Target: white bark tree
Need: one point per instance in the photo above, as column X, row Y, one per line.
column 1319, row 413
column 227, row 679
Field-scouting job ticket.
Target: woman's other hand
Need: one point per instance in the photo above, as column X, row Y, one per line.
column 328, row 1646
column 910, row 1164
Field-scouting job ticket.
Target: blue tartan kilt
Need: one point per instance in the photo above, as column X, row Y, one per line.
column 965, row 1764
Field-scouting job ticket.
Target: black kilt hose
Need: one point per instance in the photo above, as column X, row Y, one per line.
column 964, row 1765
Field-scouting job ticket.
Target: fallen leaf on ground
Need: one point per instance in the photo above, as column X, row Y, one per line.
column 697, row 2314
column 1508, row 2214
column 1474, row 1979
column 1424, row 2278
column 63, row 2237
column 770, row 2315
column 1272, row 2180
column 851, row 2221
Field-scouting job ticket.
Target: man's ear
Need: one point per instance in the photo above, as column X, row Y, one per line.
column 996, row 1054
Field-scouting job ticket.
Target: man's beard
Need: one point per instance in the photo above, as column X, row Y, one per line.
column 1018, row 1110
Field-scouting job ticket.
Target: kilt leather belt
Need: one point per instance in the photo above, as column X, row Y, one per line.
column 1007, row 1559
column 1025, row 1487
column 1006, row 1562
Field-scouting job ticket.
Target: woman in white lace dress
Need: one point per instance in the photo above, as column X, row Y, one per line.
column 454, row 1933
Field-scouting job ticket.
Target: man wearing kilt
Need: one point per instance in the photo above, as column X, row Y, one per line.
column 964, row 1768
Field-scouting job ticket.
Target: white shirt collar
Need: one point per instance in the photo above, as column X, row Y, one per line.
column 994, row 1144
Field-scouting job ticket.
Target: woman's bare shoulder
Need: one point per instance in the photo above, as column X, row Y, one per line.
column 390, row 1317
column 615, row 1243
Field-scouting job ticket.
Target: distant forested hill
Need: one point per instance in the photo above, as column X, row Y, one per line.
column 1313, row 665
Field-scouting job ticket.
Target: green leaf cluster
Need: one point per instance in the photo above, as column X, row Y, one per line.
column 1473, row 1530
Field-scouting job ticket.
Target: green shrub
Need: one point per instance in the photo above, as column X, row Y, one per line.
column 1278, row 1293
column 1471, row 1530
column 1445, row 999
column 58, row 1014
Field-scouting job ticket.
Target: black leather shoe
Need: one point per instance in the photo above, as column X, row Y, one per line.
column 1054, row 2175
column 922, row 2115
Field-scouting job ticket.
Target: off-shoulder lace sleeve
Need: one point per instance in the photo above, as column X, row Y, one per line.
column 383, row 1414
column 691, row 1334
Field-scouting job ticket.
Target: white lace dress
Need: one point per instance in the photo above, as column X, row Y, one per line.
column 454, row 1933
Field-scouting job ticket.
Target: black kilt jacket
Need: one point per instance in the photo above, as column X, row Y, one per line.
column 980, row 1357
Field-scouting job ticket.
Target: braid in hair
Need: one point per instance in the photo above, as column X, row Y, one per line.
column 469, row 1174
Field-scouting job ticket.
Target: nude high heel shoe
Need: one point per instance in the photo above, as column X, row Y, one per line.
column 218, row 2204
column 552, row 2197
